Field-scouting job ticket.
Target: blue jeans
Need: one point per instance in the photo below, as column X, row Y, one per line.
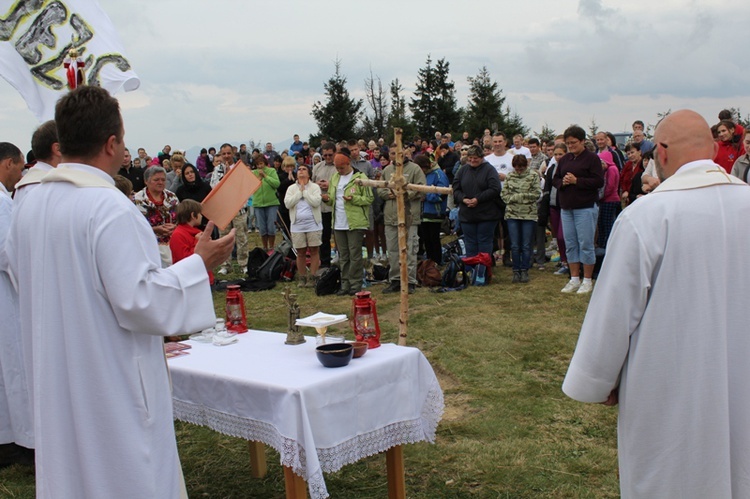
column 521, row 234
column 265, row 218
column 478, row 237
column 579, row 227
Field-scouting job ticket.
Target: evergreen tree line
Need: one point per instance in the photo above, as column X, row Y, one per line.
column 432, row 108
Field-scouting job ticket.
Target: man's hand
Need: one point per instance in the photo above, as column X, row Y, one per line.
column 613, row 398
column 214, row 253
column 649, row 183
column 323, row 184
column 569, row 179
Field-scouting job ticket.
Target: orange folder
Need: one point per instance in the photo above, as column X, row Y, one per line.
column 230, row 195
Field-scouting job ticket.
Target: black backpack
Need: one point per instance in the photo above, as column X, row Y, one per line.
column 329, row 281
column 454, row 274
column 255, row 260
column 273, row 267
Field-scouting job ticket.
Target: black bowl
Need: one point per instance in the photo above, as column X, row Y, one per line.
column 334, row 354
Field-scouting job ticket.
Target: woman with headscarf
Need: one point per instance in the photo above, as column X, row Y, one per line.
column 351, row 218
column 192, row 186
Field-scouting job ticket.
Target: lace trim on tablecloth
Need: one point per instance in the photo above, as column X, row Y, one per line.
column 292, row 454
column 331, row 459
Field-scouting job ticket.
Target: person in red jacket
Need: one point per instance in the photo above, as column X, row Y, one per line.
column 186, row 234
column 730, row 145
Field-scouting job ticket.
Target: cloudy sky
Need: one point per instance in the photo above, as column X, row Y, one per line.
column 235, row 70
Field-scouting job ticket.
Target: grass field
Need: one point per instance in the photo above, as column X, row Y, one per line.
column 508, row 431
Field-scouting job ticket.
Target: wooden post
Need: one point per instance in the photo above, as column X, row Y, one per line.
column 403, row 244
column 296, row 487
column 397, row 183
column 258, row 466
column 394, row 463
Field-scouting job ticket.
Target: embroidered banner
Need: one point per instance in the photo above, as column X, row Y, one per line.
column 36, row 38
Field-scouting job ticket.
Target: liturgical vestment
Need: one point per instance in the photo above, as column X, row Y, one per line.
column 96, row 303
column 668, row 323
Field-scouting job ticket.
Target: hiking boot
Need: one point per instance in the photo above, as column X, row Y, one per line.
column 311, row 281
column 393, row 287
column 302, row 281
column 516, row 277
column 412, row 288
column 524, row 276
column 342, row 292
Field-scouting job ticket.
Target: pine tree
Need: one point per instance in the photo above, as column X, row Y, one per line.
column 448, row 117
column 338, row 117
column 485, row 109
column 513, row 124
column 424, row 104
column 546, row 134
column 434, row 106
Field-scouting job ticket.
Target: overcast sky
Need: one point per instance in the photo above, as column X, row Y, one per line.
column 235, row 70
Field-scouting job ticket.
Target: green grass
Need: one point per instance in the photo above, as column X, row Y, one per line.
column 508, row 431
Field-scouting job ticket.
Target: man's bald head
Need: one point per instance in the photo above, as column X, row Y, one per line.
column 682, row 137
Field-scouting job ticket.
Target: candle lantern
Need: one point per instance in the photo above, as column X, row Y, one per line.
column 236, row 318
column 365, row 319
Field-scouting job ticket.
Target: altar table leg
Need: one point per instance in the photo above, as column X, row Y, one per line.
column 258, row 468
column 394, row 463
column 296, row 487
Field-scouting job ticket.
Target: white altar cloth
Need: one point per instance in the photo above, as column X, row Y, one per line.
column 262, row 390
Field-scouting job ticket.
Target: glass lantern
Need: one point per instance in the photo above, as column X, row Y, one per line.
column 236, row 318
column 364, row 320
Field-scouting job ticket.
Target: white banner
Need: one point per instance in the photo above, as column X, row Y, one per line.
column 35, row 39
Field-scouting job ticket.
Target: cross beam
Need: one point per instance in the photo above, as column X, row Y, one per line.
column 398, row 185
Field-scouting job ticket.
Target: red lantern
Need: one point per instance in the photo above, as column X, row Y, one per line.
column 236, row 318
column 365, row 319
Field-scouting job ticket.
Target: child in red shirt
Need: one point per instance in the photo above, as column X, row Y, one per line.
column 186, row 234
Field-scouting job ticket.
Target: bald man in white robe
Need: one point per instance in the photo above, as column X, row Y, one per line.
column 666, row 333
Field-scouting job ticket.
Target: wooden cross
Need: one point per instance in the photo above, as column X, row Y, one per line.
column 400, row 188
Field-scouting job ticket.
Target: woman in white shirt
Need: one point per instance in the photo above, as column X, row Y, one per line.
column 303, row 199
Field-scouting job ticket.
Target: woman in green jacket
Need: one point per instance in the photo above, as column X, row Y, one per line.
column 265, row 202
column 351, row 218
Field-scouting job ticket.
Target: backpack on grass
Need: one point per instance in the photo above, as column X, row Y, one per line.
column 428, row 273
column 329, row 281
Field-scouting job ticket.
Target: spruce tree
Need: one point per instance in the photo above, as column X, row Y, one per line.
column 338, row 117
column 433, row 107
column 485, row 109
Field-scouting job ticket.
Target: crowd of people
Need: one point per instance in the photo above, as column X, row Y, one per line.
column 571, row 188
column 105, row 370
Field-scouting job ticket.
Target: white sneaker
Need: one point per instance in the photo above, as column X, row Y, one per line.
column 585, row 288
column 244, row 270
column 572, row 287
column 223, row 271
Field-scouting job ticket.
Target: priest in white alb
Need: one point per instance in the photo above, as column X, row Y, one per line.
column 666, row 333
column 16, row 422
column 96, row 303
column 46, row 151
